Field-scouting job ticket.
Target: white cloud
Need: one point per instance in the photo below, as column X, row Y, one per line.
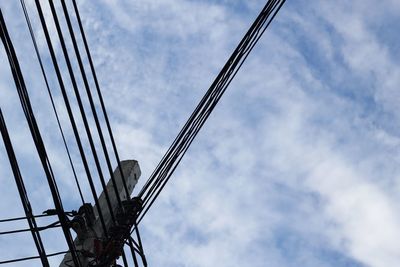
column 294, row 168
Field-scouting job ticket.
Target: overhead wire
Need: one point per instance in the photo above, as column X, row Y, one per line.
column 24, row 218
column 34, row 229
column 174, row 154
column 81, row 109
column 36, row 136
column 92, row 105
column 70, row 115
column 224, row 80
column 105, row 115
column 177, row 150
column 103, row 108
column 112, row 212
column 22, row 192
column 33, row 257
column 76, row 133
column 27, row 19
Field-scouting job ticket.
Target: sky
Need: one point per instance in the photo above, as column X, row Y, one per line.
column 297, row 166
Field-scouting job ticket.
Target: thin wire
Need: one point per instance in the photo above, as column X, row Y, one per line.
column 34, row 229
column 36, row 136
column 100, row 97
column 70, row 114
column 24, row 218
column 51, row 97
column 220, row 83
column 175, row 153
column 81, row 109
column 92, row 106
column 133, row 252
column 22, row 192
column 33, row 257
column 227, row 77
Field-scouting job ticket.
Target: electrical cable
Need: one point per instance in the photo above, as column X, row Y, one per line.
column 100, row 96
column 34, row 129
column 83, row 114
column 24, row 218
column 27, row 19
column 224, row 82
column 168, row 164
column 33, row 257
column 22, row 192
column 196, row 111
column 70, row 115
column 175, row 153
column 34, row 229
column 92, row 106
column 81, row 109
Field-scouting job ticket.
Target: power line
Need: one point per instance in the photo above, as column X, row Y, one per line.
column 92, row 106
column 33, row 257
column 35, row 229
column 36, row 136
column 177, row 150
column 103, row 108
column 70, row 114
column 81, row 109
column 24, row 218
column 140, row 205
column 27, row 19
column 22, row 191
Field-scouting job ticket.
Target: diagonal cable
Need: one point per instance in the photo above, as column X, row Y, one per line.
column 177, row 150
column 27, row 19
column 36, row 136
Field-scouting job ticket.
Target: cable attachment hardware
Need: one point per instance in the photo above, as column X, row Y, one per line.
column 83, row 221
column 126, row 218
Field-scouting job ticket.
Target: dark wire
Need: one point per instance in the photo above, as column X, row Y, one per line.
column 81, row 109
column 24, row 218
column 175, row 153
column 208, row 102
column 22, row 192
column 196, row 111
column 92, row 106
column 33, row 257
column 51, row 97
column 34, row 229
column 100, row 97
column 133, row 251
column 36, row 136
column 104, row 111
column 70, row 114
column 200, row 106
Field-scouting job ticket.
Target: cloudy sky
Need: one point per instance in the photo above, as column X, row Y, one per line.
column 297, row 166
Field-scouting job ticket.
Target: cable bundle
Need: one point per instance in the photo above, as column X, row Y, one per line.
column 177, row 150
column 36, row 136
column 24, row 98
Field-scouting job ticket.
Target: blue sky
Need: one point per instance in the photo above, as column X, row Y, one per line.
column 297, row 166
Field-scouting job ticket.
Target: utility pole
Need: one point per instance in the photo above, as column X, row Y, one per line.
column 86, row 223
column 102, row 231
